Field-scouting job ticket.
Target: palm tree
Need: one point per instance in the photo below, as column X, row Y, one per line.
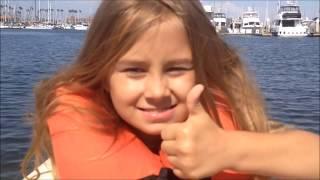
column 28, row 14
column 20, row 13
column 31, row 13
column 62, row 15
column 73, row 15
column 79, row 17
column 11, row 14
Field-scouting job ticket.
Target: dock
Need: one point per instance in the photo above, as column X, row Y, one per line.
column 314, row 35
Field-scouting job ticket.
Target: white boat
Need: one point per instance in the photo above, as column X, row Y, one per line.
column 67, row 26
column 314, row 27
column 3, row 25
column 288, row 21
column 39, row 27
column 81, row 27
column 235, row 26
column 220, row 22
column 209, row 12
column 250, row 22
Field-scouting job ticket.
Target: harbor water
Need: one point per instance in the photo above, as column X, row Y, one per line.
column 286, row 69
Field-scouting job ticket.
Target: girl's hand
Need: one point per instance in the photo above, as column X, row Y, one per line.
column 196, row 148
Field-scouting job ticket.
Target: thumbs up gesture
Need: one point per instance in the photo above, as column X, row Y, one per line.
column 195, row 148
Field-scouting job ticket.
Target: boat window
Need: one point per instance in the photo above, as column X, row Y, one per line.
column 223, row 24
column 278, row 22
column 245, row 24
column 290, row 8
column 257, row 23
column 291, row 15
column 288, row 23
column 251, row 23
column 219, row 15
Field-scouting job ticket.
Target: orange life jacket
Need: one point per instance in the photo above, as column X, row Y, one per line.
column 84, row 153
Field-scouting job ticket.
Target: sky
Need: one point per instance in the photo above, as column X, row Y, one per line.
column 232, row 8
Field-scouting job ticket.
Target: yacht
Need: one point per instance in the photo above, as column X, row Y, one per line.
column 80, row 27
column 288, row 21
column 314, row 27
column 220, row 22
column 39, row 27
column 209, row 12
column 235, row 26
column 250, row 22
column 3, row 26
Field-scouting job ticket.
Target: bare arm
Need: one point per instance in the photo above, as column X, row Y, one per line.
column 292, row 153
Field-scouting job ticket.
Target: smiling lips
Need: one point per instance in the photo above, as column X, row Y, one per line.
column 158, row 115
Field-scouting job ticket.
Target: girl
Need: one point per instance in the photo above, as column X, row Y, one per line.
column 154, row 87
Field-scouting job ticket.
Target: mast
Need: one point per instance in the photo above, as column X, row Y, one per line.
column 39, row 12
column 267, row 11
column 5, row 11
column 49, row 11
column 266, row 18
column 267, row 23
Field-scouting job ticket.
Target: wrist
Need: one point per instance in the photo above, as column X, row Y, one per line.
column 238, row 147
column 232, row 150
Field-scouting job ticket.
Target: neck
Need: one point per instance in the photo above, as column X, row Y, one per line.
column 153, row 142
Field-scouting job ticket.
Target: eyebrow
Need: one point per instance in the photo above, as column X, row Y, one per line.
column 131, row 62
column 182, row 61
column 144, row 62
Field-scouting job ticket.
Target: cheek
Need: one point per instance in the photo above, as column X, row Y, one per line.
column 124, row 92
column 182, row 86
column 181, row 89
column 125, row 95
column 183, row 113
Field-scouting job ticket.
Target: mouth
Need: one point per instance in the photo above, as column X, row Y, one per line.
column 157, row 110
column 158, row 115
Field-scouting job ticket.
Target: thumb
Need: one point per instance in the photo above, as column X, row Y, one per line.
column 193, row 98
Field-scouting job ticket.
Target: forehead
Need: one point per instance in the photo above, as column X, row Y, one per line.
column 163, row 41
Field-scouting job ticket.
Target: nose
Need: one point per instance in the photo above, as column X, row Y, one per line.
column 156, row 88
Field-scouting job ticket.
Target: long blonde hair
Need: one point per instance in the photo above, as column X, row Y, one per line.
column 117, row 25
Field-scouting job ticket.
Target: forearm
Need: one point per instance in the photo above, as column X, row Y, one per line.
column 287, row 154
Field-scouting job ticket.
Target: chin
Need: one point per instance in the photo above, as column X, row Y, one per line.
column 152, row 130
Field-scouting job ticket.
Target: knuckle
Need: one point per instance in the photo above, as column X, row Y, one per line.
column 163, row 145
column 187, row 148
column 186, row 164
column 185, row 132
column 163, row 134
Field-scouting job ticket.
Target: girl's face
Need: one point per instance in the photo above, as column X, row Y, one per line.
column 149, row 84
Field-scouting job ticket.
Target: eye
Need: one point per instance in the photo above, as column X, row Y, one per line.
column 177, row 70
column 134, row 71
